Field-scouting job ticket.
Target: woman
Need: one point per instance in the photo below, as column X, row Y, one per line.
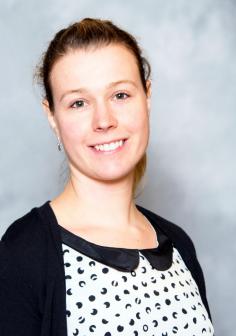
column 90, row 260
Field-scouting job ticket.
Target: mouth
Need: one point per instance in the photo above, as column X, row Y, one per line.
column 110, row 147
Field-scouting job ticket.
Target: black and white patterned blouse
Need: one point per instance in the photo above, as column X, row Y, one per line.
column 117, row 291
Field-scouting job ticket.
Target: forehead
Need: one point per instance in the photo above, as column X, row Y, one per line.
column 95, row 67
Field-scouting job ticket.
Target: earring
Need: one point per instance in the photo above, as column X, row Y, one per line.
column 59, row 144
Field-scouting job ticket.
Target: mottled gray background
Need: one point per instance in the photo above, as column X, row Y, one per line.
column 190, row 178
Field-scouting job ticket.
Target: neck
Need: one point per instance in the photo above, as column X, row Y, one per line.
column 98, row 202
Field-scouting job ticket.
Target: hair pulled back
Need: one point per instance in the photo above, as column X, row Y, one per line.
column 84, row 34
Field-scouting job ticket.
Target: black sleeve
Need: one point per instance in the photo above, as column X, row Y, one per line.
column 19, row 315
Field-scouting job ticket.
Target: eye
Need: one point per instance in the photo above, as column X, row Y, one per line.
column 121, row 96
column 78, row 104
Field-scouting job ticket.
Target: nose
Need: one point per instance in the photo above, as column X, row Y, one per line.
column 104, row 117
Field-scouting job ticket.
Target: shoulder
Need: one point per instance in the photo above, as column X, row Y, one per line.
column 25, row 241
column 26, row 231
column 27, row 250
column 30, row 227
column 178, row 236
column 21, row 228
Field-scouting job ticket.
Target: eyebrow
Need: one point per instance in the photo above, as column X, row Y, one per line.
column 110, row 85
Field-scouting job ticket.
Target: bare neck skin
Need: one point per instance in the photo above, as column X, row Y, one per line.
column 96, row 202
column 104, row 213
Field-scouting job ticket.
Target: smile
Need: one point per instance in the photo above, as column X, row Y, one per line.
column 109, row 147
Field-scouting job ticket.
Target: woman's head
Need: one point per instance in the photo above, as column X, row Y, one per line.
column 90, row 35
column 84, row 34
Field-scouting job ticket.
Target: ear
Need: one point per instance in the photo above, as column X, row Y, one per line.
column 50, row 116
column 148, row 94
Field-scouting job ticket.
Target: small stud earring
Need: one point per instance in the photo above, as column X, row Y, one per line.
column 59, row 144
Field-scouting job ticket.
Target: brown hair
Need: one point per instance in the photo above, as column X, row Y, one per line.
column 91, row 33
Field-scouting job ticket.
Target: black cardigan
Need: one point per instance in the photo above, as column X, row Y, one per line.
column 32, row 278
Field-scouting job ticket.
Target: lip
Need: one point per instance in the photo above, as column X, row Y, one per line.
column 118, row 149
column 108, row 142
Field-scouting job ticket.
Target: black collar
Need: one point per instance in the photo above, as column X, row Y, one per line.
column 122, row 259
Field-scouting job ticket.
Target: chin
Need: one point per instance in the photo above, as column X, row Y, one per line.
column 114, row 175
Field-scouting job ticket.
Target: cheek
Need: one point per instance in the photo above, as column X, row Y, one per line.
column 71, row 131
column 138, row 120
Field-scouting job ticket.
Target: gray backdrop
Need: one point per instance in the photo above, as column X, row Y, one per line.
column 190, row 178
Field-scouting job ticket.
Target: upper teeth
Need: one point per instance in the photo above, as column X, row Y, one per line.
column 110, row 146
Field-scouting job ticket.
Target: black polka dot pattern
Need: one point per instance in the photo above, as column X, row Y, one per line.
column 102, row 300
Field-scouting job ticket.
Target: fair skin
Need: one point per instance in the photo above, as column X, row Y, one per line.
column 99, row 99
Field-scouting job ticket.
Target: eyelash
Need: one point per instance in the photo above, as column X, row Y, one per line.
column 122, row 93
column 77, row 101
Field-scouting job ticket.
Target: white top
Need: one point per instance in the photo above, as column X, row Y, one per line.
column 104, row 300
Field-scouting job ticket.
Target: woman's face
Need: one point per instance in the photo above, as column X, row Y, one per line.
column 100, row 111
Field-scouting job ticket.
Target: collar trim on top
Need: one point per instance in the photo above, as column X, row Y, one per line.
column 122, row 259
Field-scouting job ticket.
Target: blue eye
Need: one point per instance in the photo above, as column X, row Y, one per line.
column 78, row 104
column 121, row 95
